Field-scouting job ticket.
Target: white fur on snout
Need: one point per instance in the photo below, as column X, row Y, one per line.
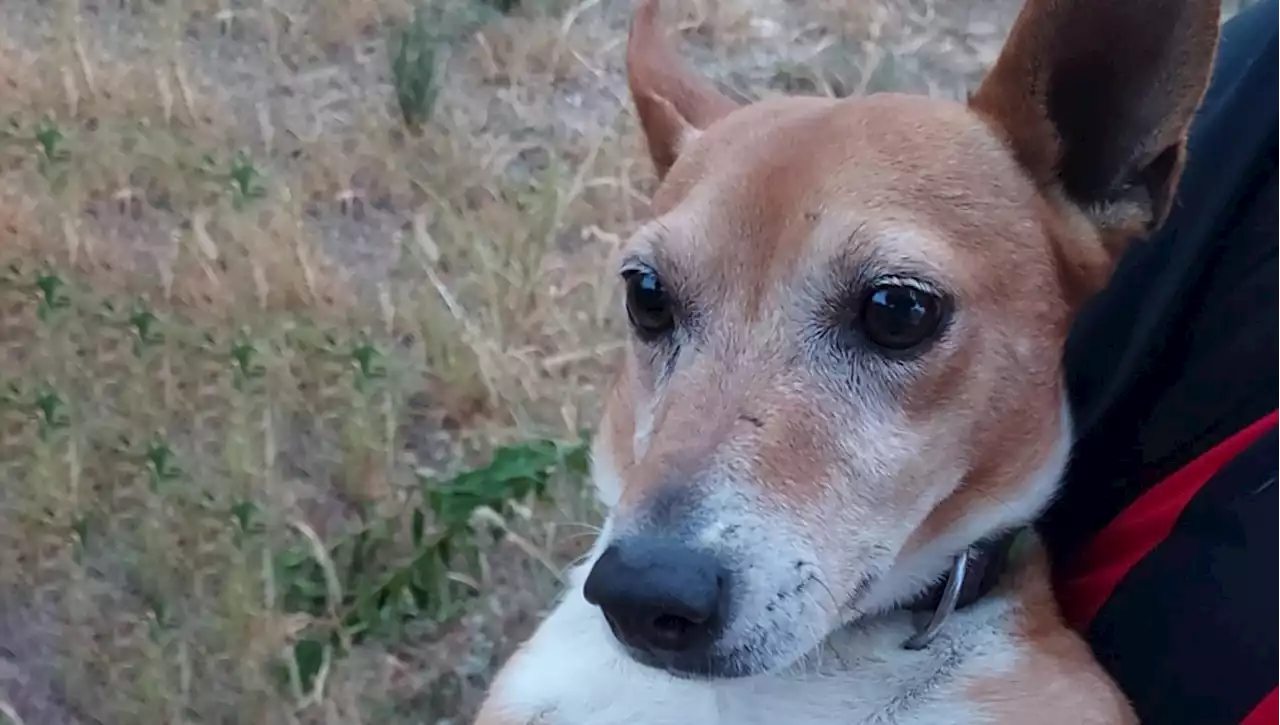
column 645, row 415
column 604, row 474
column 779, row 609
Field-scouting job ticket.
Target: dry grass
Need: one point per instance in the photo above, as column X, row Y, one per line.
column 244, row 310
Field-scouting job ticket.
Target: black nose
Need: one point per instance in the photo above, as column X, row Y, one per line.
column 660, row 597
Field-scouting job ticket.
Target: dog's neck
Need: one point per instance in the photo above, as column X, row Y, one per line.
column 973, row 575
column 984, row 563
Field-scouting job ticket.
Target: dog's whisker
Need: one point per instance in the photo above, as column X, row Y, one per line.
column 582, row 535
column 591, row 528
column 835, row 602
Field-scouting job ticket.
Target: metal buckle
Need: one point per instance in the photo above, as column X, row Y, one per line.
column 946, row 605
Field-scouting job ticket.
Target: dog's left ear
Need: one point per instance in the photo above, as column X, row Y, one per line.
column 673, row 102
column 1095, row 97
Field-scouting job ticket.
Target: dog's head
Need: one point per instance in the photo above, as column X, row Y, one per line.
column 847, row 318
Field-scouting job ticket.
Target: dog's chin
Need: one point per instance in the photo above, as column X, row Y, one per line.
column 699, row 667
column 716, row 665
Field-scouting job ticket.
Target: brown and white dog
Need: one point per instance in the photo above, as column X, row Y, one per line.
column 844, row 372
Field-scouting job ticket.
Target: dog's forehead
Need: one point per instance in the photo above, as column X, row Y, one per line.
column 875, row 147
column 794, row 181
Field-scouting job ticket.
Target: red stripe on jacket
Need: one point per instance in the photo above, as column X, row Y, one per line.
column 1140, row 527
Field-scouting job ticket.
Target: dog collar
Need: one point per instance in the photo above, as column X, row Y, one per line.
column 973, row 574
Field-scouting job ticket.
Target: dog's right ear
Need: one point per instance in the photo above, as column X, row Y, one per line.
column 674, row 103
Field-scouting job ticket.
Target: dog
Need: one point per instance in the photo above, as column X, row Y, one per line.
column 842, row 405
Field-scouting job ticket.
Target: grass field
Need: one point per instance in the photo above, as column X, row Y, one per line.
column 304, row 308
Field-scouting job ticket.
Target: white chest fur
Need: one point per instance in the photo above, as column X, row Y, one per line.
column 572, row 672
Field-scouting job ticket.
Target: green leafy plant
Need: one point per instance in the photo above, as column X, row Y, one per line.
column 53, row 153
column 380, row 599
column 414, row 68
column 368, row 363
column 160, row 461
column 245, row 180
column 145, row 327
column 244, row 360
column 51, row 411
column 52, row 295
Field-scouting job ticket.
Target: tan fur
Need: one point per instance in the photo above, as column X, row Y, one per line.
column 859, row 471
column 1061, row 668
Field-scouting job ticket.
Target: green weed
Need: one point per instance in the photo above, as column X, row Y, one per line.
column 53, row 154
column 379, row 599
column 414, row 69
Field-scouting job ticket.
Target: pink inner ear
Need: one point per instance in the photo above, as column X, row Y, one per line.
column 671, row 99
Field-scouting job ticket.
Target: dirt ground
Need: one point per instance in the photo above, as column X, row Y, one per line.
column 211, row 217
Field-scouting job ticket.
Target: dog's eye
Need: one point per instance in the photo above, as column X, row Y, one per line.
column 898, row 316
column 648, row 306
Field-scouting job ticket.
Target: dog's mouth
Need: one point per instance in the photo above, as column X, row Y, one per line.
column 704, row 661
column 699, row 667
column 767, row 645
column 729, row 664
